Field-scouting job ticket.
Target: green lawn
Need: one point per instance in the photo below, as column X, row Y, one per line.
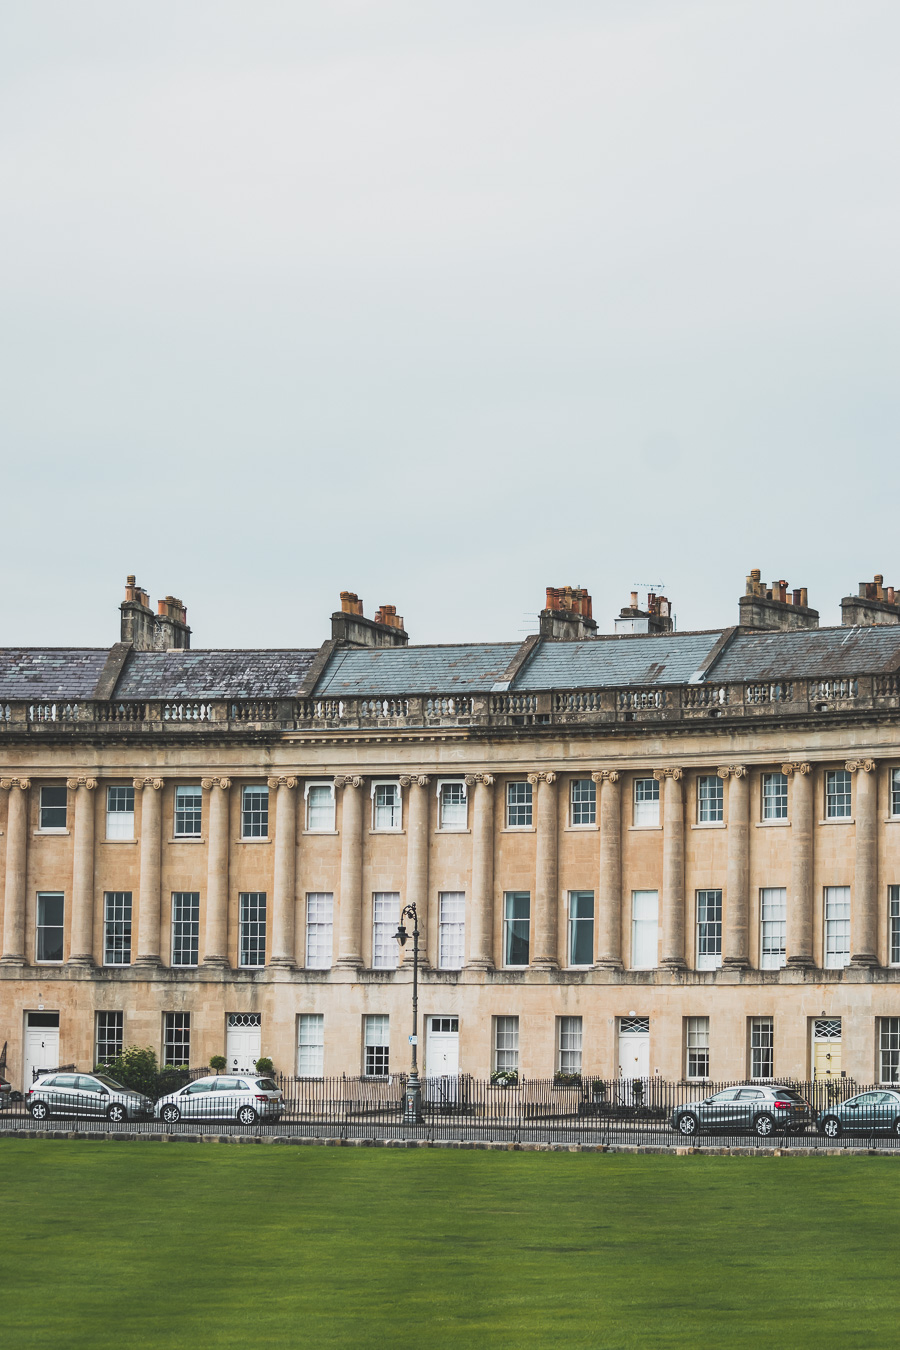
column 207, row 1246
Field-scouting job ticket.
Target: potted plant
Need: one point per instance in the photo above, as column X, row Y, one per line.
column 561, row 1079
column 217, row 1062
column 264, row 1065
column 598, row 1089
column 504, row 1078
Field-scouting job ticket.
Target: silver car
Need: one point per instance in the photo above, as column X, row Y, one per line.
column 86, row 1094
column 876, row 1112
column 764, row 1110
column 244, row 1099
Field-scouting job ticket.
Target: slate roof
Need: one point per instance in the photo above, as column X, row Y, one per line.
column 50, row 672
column 473, row 667
column 669, row 658
column 820, row 653
column 213, row 674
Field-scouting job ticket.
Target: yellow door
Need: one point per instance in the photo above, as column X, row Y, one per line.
column 827, row 1062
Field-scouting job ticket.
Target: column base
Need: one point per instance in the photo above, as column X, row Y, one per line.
column 216, row 962
column 674, row 963
column 478, row 965
column 544, row 963
column 282, row 963
column 148, row 962
column 608, row 963
column 348, row 963
column 84, row 962
column 10, row 960
column 735, row 963
column 801, row 963
column 864, row 960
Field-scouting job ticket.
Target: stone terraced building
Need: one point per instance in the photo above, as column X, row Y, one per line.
column 647, row 853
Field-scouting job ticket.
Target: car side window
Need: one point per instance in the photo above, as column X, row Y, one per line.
column 199, row 1087
column 65, row 1080
column 227, row 1085
column 727, row 1096
column 748, row 1095
column 48, row 1082
column 87, row 1084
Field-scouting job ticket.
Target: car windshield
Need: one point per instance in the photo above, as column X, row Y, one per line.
column 789, row 1093
column 266, row 1084
column 110, row 1082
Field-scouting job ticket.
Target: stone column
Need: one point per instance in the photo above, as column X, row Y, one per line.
column 736, row 947
column 417, row 858
column 81, row 940
column 215, row 938
column 800, row 896
column 864, row 901
column 16, row 860
column 350, row 916
column 480, row 923
column 545, row 955
column 609, row 892
column 673, row 869
column 149, row 900
column 285, row 898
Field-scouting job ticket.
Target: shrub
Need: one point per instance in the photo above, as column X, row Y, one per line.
column 504, row 1078
column 566, row 1079
column 135, row 1067
column 217, row 1062
column 264, row 1065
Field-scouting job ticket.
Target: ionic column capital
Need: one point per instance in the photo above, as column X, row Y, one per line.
column 354, row 781
column 282, row 782
column 661, row 774
column 7, row 784
column 860, row 765
column 606, row 776
column 154, row 783
column 796, row 767
column 732, row 771
column 209, row 783
column 486, row 778
column 73, row 784
column 544, row 776
column 414, row 780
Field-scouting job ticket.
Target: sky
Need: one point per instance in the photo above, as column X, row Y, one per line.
column 443, row 304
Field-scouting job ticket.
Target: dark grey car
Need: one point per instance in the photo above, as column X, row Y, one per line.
column 763, row 1110
column 875, row 1112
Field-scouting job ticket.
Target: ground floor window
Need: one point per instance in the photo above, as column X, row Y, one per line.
column 569, row 1057
column 762, row 1047
column 506, row 1044
column 377, row 1045
column 176, row 1040
column 108, row 1041
column 310, row 1045
column 697, row 1046
column 889, row 1047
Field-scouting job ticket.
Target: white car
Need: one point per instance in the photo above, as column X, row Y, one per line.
column 86, row 1094
column 245, row 1099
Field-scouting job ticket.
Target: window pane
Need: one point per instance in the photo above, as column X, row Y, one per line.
column 506, row 1044
column 387, row 806
column 185, row 928
column 584, row 801
column 53, row 808
column 581, row 928
column 889, row 1047
column 894, row 922
column 710, row 798
column 762, row 1040
column 252, row 949
column 837, row 927
column 454, row 814
column 775, row 787
column 773, row 917
column 837, row 793
column 895, row 792
column 377, row 1056
column 320, row 808
column 709, row 929
column 646, row 801
column 188, row 810
column 117, row 928
column 176, row 1040
column 644, row 930
column 386, row 914
column 120, row 813
column 109, row 1036
column 319, row 929
column 517, row 925
column 697, row 1042
column 518, row 804
column 255, row 813
column 311, row 1045
column 452, row 929
column 50, row 912
column 570, row 1044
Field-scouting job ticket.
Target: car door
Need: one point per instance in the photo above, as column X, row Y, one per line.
column 92, row 1096
column 195, row 1100
column 747, row 1107
column 64, row 1098
column 717, row 1112
column 860, row 1111
column 229, row 1097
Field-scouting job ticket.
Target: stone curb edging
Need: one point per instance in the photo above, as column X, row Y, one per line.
column 126, row 1136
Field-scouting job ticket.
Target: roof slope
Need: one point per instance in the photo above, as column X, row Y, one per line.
column 213, row 674
column 50, row 672
column 818, row 654
column 669, row 658
column 415, row 670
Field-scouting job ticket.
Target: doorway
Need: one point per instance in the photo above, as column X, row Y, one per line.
column 634, row 1056
column 442, row 1060
column 41, row 1044
column 826, row 1048
column 242, row 1042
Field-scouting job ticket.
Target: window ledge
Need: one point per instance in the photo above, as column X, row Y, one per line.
column 580, row 829
column 117, row 841
column 643, row 827
column 37, row 833
column 709, row 825
column 192, row 839
column 259, row 840
column 837, row 820
column 453, row 831
column 891, row 820
column 518, row 829
column 772, row 824
column 386, row 832
column 325, row 832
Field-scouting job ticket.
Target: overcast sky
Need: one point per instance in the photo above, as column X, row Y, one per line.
column 443, row 303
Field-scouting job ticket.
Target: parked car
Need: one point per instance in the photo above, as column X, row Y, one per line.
column 5, row 1093
column 736, row 1109
column 875, row 1112
column 244, row 1099
column 86, row 1094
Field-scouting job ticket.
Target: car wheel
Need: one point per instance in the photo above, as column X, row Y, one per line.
column 687, row 1124
column 831, row 1127
column 40, row 1110
column 170, row 1114
column 764, row 1125
column 246, row 1115
column 895, row 1128
column 116, row 1112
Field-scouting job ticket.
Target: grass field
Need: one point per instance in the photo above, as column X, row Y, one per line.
column 172, row 1246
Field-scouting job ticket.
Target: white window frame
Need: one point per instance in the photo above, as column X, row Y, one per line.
column 709, row 929
column 252, row 817
column 385, row 922
column 573, row 927
column 645, row 808
column 311, row 1045
column 108, row 1044
column 53, row 829
column 117, row 933
column 509, row 936
column 396, row 810
column 762, row 1047
column 119, row 819
column 308, row 788
column 524, row 805
column 319, row 930
column 889, row 1050
column 377, row 1039
column 505, row 1044
column 696, row 1048
column 895, row 793
column 442, row 785
column 773, row 802
column 451, row 930
column 40, row 928
column 176, row 1036
column 772, row 927
column 710, row 799
column 185, row 929
column 835, row 798
column 196, row 795
column 894, row 925
column 569, row 1044
column 641, row 935
column 253, row 913
column 589, row 804
column 837, row 902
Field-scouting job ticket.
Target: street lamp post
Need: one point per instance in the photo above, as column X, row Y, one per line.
column 413, row 1104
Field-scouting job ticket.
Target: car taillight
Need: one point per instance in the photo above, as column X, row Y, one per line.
column 261, row 1097
column 783, row 1106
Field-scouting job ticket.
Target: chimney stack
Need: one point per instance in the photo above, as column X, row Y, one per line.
column 350, row 627
column 657, row 618
column 775, row 607
column 875, row 604
column 149, row 632
column 568, row 616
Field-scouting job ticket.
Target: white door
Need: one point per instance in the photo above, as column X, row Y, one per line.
column 442, row 1050
column 242, row 1044
column 634, row 1053
column 41, row 1045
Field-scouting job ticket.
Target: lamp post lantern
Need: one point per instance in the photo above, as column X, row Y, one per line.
column 413, row 1102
